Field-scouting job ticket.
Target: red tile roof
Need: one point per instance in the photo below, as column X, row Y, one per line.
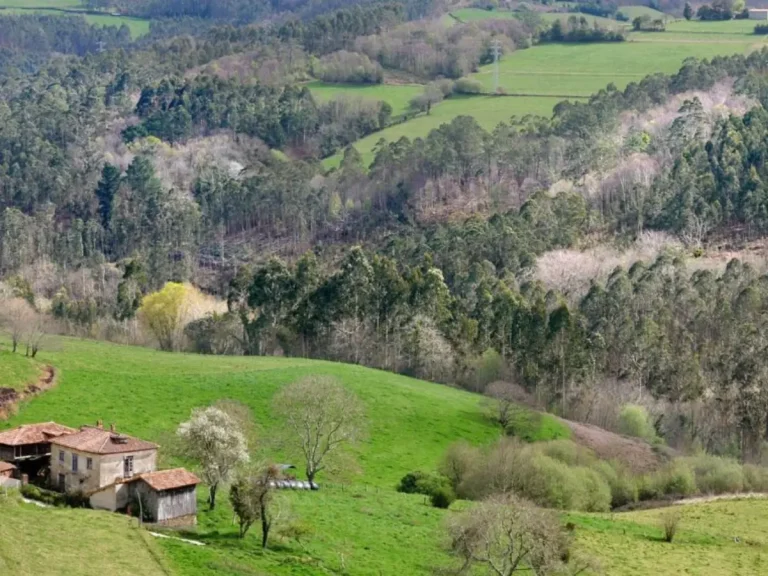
column 169, row 479
column 5, row 466
column 34, row 433
column 99, row 441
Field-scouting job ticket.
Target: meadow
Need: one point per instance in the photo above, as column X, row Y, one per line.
column 396, row 95
column 356, row 523
column 17, row 370
column 489, row 111
column 36, row 541
column 137, row 26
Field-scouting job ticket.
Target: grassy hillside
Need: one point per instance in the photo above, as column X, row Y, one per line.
column 634, row 11
column 148, row 393
column 356, row 524
column 714, row 539
column 16, row 371
column 65, row 542
column 396, row 95
column 489, row 111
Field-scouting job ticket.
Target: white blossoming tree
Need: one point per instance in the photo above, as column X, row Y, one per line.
column 215, row 440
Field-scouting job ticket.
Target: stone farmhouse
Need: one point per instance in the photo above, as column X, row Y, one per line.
column 112, row 469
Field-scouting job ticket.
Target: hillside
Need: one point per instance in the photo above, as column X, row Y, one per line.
column 67, row 542
column 357, row 524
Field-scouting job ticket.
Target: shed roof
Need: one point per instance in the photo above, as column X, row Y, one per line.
column 169, row 479
column 34, row 433
column 5, row 466
column 99, row 441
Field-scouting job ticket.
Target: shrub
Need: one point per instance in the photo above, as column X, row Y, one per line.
column 459, row 461
column 432, row 485
column 675, row 479
column 670, row 521
column 468, row 86
column 621, row 483
column 755, row 478
column 351, row 67
column 569, row 453
column 595, row 492
column 633, row 421
column 442, row 497
column 715, row 475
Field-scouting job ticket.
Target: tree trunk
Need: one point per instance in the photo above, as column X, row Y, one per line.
column 212, row 497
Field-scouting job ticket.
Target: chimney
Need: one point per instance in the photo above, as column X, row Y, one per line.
column 99, row 424
column 112, row 427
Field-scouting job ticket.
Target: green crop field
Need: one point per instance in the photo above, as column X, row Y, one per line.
column 17, row 371
column 396, row 95
column 66, row 542
column 489, row 111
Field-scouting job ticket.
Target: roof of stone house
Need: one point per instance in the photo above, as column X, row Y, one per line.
column 5, row 466
column 169, row 479
column 34, row 433
column 96, row 440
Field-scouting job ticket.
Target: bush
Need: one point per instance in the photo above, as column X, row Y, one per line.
column 350, row 67
column 569, row 453
column 432, row 485
column 715, row 475
column 675, row 479
column 621, row 483
column 634, row 421
column 755, row 478
column 442, row 497
column 596, row 494
column 468, row 86
column 670, row 521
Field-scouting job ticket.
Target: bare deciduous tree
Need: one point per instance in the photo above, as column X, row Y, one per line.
column 322, row 416
column 505, row 535
column 505, row 396
column 17, row 315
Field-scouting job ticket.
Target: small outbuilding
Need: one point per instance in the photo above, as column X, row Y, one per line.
column 168, row 497
column 758, row 14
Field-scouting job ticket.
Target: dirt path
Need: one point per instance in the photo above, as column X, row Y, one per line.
column 10, row 399
column 707, row 499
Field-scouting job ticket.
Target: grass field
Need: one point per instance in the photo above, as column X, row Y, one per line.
column 66, row 542
column 149, row 393
column 633, row 12
column 137, row 26
column 489, row 111
column 714, row 539
column 17, row 371
column 396, row 95
column 362, row 527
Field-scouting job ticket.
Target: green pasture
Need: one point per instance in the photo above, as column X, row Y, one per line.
column 489, row 111
column 396, row 95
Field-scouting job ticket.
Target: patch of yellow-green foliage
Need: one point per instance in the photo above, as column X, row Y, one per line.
column 38, row 541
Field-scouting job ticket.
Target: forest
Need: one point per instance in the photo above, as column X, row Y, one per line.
column 126, row 165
